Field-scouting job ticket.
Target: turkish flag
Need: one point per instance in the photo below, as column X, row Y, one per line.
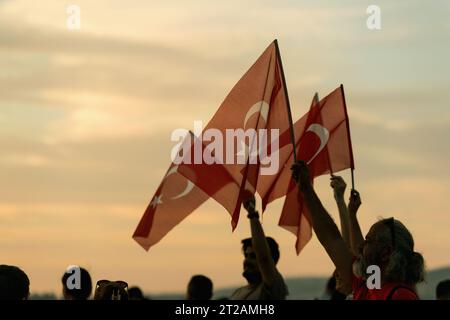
column 258, row 101
column 212, row 178
column 175, row 198
column 272, row 187
column 323, row 142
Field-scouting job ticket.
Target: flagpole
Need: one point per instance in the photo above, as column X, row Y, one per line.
column 352, row 163
column 315, row 102
column 291, row 126
column 353, row 180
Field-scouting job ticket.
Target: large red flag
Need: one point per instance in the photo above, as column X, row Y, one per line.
column 175, row 198
column 323, row 142
column 179, row 195
column 258, row 101
column 212, row 177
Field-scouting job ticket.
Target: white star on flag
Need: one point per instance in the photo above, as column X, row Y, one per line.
column 156, row 200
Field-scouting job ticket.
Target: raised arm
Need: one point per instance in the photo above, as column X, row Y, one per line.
column 260, row 245
column 338, row 184
column 356, row 237
column 326, row 230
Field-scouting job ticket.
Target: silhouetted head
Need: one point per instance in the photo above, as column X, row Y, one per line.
column 443, row 290
column 332, row 289
column 199, row 288
column 76, row 289
column 251, row 268
column 135, row 293
column 331, row 285
column 390, row 246
column 14, row 283
column 111, row 290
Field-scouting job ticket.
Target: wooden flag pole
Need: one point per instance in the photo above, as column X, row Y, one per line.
column 353, row 180
column 352, row 164
column 291, row 126
column 315, row 102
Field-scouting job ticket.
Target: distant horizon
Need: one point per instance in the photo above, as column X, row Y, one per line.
column 151, row 294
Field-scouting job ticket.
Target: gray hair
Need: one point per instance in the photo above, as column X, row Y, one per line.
column 404, row 265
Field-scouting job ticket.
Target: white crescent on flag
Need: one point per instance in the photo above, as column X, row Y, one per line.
column 186, row 191
column 262, row 107
column 323, row 135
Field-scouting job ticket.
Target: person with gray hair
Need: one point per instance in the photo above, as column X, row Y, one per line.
column 388, row 247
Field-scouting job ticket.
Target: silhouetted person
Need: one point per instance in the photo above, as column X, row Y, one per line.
column 85, row 290
column 135, row 293
column 331, row 292
column 111, row 290
column 199, row 288
column 14, row 283
column 388, row 245
column 334, row 285
column 261, row 255
column 443, row 290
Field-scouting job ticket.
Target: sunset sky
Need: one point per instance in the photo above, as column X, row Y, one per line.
column 86, row 117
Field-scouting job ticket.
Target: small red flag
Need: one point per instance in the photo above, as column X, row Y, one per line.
column 323, row 142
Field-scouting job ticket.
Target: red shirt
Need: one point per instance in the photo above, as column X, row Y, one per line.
column 388, row 291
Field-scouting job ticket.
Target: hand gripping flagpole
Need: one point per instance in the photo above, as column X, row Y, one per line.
column 288, row 105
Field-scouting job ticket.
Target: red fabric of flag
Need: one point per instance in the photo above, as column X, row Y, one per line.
column 323, row 142
column 256, row 102
column 175, row 198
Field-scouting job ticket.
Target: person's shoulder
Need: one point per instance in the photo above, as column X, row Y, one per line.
column 279, row 279
column 278, row 274
column 236, row 295
column 358, row 283
column 279, row 289
column 403, row 293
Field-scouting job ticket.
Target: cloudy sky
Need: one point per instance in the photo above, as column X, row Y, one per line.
column 86, row 117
